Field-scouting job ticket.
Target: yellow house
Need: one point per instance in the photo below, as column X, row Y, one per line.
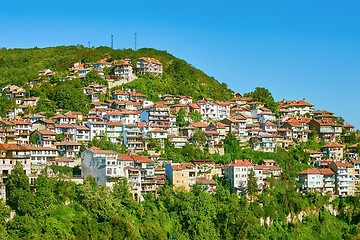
column 344, row 181
column 205, row 168
column 181, row 175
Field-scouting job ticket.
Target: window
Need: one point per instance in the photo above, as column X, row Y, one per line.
column 183, row 174
column 184, row 181
column 178, row 181
column 109, row 170
column 178, row 175
column 114, row 170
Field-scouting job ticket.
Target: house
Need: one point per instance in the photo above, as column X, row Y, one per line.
column 208, row 184
column 31, row 102
column 269, row 169
column 133, row 138
column 115, row 132
column 63, row 161
column 96, row 129
column 178, row 141
column 102, row 165
column 205, row 168
column 314, row 155
column 69, row 149
column 46, row 137
column 181, row 175
column 268, row 127
column 344, row 177
column 10, row 154
column 315, row 179
column 237, row 126
column 39, row 156
column 299, row 130
column 326, row 129
column 121, row 95
column 159, row 134
column 149, row 65
column 300, row 107
column 185, row 100
column 124, row 160
column 82, row 134
column 333, row 151
column 124, row 69
column 238, row 173
column 212, row 138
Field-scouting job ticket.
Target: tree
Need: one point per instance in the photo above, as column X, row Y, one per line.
column 60, row 137
column 94, row 77
column 34, row 139
column 17, row 185
column 198, row 137
column 69, row 96
column 180, row 119
column 263, row 95
column 195, row 116
column 231, row 143
column 6, row 104
column 252, row 186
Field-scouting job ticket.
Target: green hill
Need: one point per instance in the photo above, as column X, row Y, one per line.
column 19, row 66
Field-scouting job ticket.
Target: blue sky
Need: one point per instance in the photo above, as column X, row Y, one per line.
column 296, row 49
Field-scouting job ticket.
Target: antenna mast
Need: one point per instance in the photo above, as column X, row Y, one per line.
column 135, row 42
column 112, row 41
column 88, row 44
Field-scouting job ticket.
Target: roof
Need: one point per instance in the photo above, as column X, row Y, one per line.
column 150, row 60
column 332, row 144
column 158, row 130
column 300, row 103
column 63, row 159
column 311, row 171
column 206, row 181
column 66, row 143
column 342, row 164
column 240, row 163
column 46, row 132
column 125, row 157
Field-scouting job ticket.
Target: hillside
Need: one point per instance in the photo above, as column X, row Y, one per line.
column 19, row 66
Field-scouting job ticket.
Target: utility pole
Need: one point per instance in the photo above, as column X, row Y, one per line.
column 135, row 42
column 112, row 41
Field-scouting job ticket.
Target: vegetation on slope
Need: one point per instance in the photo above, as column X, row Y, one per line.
column 19, row 66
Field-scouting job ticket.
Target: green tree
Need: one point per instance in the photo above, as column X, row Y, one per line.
column 34, row 139
column 180, row 119
column 17, row 186
column 252, row 187
column 198, row 137
column 60, row 137
column 263, row 95
column 195, row 116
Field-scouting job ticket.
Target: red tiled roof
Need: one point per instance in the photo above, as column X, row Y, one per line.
column 125, row 157
column 240, row 163
column 332, row 144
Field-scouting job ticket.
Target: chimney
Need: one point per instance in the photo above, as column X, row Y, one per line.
column 304, row 99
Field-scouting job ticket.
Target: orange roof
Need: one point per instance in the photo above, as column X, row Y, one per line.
column 240, row 163
column 46, row 132
column 126, row 157
column 300, row 103
column 150, row 60
column 332, row 144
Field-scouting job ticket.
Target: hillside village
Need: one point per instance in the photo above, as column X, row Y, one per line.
column 144, row 129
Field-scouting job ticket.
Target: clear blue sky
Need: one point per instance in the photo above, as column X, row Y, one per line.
column 297, row 49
